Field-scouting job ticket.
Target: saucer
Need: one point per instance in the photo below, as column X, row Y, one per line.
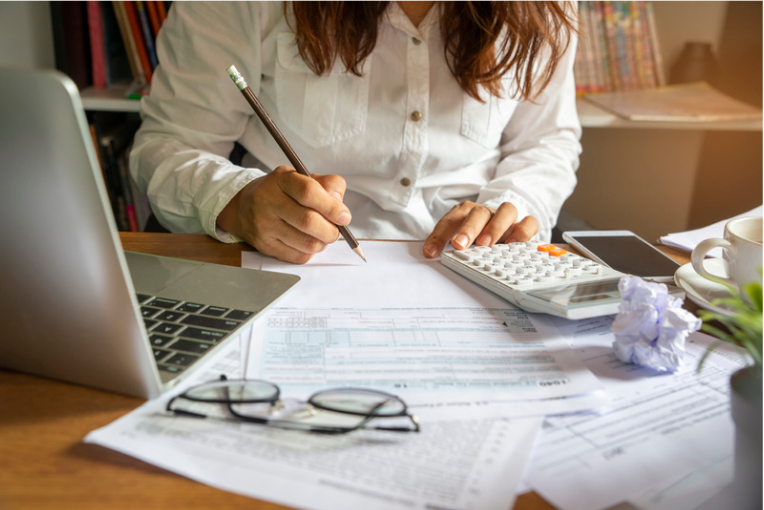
column 700, row 290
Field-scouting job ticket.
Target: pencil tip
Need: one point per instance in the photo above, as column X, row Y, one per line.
column 359, row 252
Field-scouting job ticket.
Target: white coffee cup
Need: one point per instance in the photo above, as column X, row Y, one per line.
column 741, row 250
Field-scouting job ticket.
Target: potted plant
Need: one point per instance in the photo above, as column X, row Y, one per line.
column 743, row 327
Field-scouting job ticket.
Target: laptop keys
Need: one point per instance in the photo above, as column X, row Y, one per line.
column 167, row 328
column 204, row 334
column 210, row 322
column 147, row 311
column 163, row 302
column 214, row 311
column 191, row 346
column 160, row 340
column 170, row 316
column 160, row 354
column 190, row 307
column 181, row 332
column 239, row 315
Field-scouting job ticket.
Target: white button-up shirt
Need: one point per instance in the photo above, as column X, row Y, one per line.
column 408, row 140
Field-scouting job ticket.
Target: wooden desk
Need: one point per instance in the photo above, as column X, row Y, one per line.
column 45, row 465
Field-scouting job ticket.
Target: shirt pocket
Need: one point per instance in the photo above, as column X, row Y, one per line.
column 485, row 122
column 322, row 110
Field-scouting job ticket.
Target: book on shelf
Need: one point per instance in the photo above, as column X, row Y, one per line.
column 101, row 43
column 109, row 58
column 112, row 139
column 690, row 102
column 618, row 48
column 71, row 42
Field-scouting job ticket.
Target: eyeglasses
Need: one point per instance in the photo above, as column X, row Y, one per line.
column 335, row 411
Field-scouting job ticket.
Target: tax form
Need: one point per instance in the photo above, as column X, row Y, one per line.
column 408, row 325
column 456, row 464
column 660, row 428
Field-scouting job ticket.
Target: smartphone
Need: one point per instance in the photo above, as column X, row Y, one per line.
column 624, row 251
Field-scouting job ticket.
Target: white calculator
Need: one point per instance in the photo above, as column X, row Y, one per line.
column 541, row 278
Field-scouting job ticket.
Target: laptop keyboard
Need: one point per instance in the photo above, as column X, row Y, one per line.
column 180, row 332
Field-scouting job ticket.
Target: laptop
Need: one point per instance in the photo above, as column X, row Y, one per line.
column 73, row 305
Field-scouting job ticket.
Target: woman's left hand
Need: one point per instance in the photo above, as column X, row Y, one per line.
column 469, row 222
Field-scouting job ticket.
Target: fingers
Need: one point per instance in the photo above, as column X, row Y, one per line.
column 287, row 215
column 447, row 227
column 500, row 223
column 321, row 194
column 469, row 222
column 523, row 230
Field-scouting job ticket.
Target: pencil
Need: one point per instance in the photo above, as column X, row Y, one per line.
column 251, row 98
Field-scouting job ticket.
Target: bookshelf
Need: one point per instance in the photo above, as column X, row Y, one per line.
column 112, row 99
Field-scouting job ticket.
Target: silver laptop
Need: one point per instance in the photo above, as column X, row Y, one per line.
column 73, row 305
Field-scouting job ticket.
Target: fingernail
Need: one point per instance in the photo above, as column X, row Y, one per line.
column 483, row 240
column 343, row 219
column 461, row 241
column 430, row 250
column 336, row 195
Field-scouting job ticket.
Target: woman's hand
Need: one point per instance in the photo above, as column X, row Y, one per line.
column 287, row 215
column 469, row 222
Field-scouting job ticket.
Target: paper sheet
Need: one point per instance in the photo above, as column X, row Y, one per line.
column 411, row 326
column 446, row 363
column 450, row 464
column 659, row 429
column 687, row 241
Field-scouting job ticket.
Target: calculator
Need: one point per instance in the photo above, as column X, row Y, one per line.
column 541, row 277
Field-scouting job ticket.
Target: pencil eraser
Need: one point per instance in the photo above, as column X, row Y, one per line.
column 237, row 78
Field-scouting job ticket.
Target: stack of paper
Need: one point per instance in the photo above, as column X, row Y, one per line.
column 480, row 374
column 687, row 241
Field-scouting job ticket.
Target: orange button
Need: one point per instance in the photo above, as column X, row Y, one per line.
column 546, row 248
column 557, row 252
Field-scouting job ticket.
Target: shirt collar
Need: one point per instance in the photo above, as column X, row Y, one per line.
column 395, row 16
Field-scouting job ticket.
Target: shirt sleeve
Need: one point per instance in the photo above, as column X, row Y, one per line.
column 194, row 114
column 540, row 152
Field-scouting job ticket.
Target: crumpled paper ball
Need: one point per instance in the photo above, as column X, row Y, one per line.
column 651, row 326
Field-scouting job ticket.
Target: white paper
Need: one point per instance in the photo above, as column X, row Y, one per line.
column 687, row 241
column 660, row 428
column 411, row 326
column 396, row 275
column 472, row 464
column 444, row 362
column 689, row 492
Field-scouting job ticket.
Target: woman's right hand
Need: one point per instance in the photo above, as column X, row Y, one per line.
column 287, row 215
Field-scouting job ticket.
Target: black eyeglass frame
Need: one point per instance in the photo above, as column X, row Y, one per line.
column 295, row 424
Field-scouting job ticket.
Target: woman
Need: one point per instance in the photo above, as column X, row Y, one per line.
column 452, row 121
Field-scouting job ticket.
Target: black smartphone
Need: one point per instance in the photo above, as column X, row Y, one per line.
column 624, row 251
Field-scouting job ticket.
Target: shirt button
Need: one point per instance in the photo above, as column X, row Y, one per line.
column 416, row 116
column 405, row 181
column 416, row 41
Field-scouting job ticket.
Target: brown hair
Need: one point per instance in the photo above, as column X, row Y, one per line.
column 470, row 31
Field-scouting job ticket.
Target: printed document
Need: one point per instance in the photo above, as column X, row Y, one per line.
column 467, row 464
column 687, row 241
column 413, row 327
column 660, row 428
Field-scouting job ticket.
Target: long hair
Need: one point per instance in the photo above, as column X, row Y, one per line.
column 483, row 40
